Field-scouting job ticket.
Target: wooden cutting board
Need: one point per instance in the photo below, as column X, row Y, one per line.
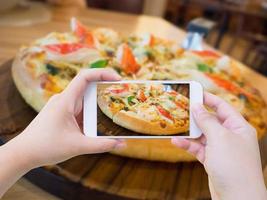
column 101, row 176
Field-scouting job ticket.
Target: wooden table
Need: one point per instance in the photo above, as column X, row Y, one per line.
column 11, row 38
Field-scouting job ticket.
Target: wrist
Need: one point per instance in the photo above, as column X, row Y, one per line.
column 256, row 190
column 14, row 162
column 17, row 153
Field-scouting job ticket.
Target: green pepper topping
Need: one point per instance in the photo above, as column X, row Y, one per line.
column 130, row 100
column 99, row 64
column 171, row 98
column 203, row 67
column 113, row 99
column 52, row 69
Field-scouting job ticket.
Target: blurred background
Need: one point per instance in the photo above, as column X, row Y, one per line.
column 236, row 27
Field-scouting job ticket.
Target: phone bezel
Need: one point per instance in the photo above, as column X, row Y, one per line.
column 90, row 108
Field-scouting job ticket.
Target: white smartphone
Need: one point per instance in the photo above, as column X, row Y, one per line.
column 141, row 109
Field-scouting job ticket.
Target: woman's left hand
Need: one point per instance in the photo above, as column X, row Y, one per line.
column 56, row 133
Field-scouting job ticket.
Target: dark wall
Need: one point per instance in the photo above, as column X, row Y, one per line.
column 129, row 6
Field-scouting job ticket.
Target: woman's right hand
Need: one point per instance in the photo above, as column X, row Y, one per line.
column 229, row 151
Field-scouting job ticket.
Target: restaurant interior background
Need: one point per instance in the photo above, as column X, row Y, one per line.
column 235, row 27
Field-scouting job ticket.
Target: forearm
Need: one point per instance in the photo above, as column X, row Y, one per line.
column 13, row 164
column 249, row 190
column 251, row 187
column 259, row 194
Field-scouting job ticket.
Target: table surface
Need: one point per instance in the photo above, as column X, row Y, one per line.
column 11, row 38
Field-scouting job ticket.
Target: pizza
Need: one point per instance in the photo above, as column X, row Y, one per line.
column 46, row 66
column 154, row 109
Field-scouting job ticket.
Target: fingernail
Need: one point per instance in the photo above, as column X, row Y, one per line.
column 117, row 77
column 120, row 140
column 177, row 141
column 120, row 145
column 174, row 140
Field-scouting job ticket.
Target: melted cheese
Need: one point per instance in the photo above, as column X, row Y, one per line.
column 80, row 56
column 180, row 113
column 223, row 63
column 167, row 104
column 149, row 113
column 56, row 38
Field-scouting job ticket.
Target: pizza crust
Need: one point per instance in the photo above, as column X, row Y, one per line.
column 155, row 150
column 103, row 105
column 139, row 125
column 29, row 88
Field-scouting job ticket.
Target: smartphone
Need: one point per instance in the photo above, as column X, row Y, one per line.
column 141, row 109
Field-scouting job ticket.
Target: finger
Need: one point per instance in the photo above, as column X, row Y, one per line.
column 203, row 139
column 194, row 147
column 190, row 146
column 79, row 83
column 99, row 145
column 75, row 90
column 201, row 155
column 180, row 142
column 223, row 110
column 206, row 121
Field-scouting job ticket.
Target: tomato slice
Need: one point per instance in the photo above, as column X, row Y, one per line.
column 128, row 62
column 117, row 91
column 89, row 40
column 180, row 105
column 222, row 82
column 228, row 85
column 141, row 96
column 207, row 53
column 164, row 112
column 126, row 86
column 78, row 28
column 120, row 90
column 82, row 32
column 173, row 93
column 64, row 48
column 152, row 40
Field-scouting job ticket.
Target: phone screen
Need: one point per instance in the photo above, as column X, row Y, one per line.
column 143, row 109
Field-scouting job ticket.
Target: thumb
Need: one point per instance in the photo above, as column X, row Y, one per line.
column 206, row 121
column 100, row 145
column 75, row 90
column 77, row 86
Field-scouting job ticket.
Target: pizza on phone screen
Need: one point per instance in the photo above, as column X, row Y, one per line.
column 155, row 109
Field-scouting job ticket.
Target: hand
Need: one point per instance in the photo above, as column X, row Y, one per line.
column 55, row 134
column 228, row 149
